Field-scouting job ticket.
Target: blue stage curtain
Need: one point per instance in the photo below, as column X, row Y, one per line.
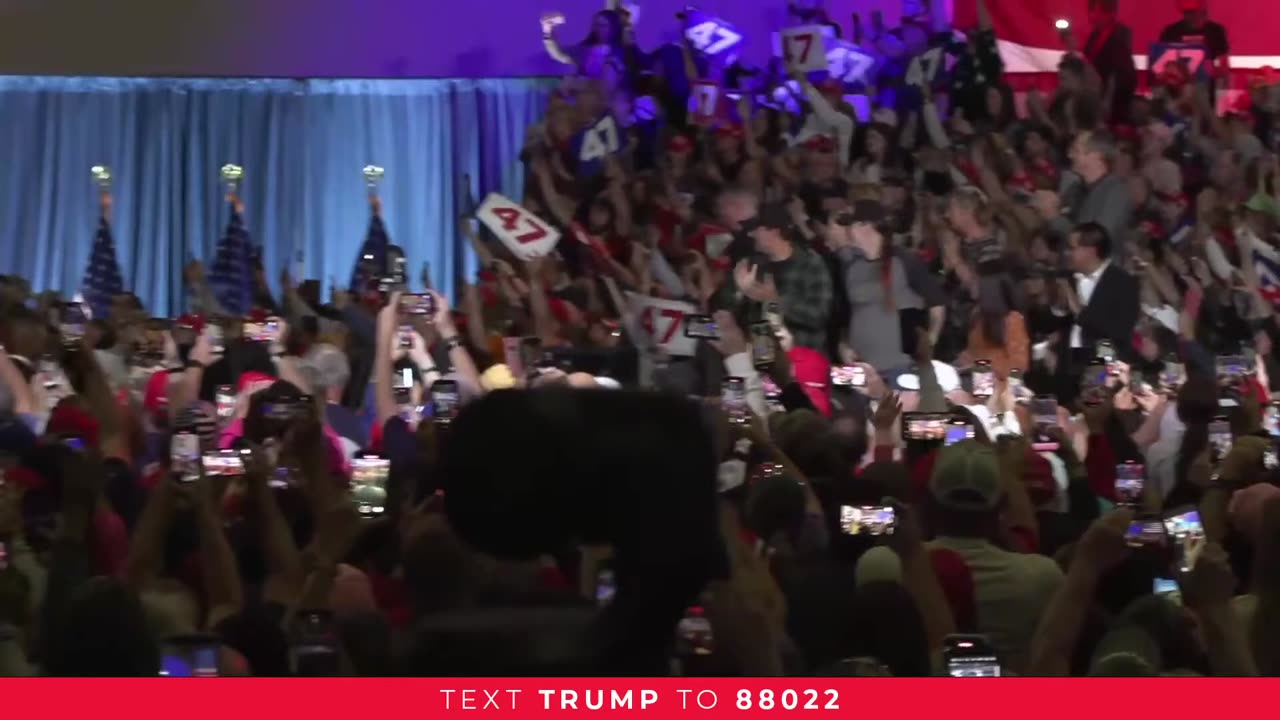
column 302, row 144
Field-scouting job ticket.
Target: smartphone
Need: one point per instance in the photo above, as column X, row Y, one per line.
column 762, row 344
column 1105, row 350
column 1220, row 439
column 184, row 455
column 369, row 484
column 1174, row 374
column 530, row 353
column 1130, row 477
column 701, row 327
column 404, row 337
column 403, row 379
column 1270, row 458
column 854, row 376
column 1167, row 588
column 261, row 332
column 606, row 587
column 225, row 400
column 189, row 656
column 867, row 519
column 1271, row 419
column 693, row 634
column 74, row 320
column 733, row 398
column 1145, row 532
column 1095, row 374
column 1015, row 381
column 422, row 304
column 925, row 427
column 1230, row 369
column 213, row 332
column 984, row 379
column 1186, row 534
column 313, row 647
column 970, row 656
column 773, row 316
column 957, row 431
column 445, row 401
column 287, row 411
column 224, row 462
column 1044, row 415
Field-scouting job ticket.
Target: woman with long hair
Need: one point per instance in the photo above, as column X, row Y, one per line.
column 875, row 282
column 998, row 331
column 601, row 55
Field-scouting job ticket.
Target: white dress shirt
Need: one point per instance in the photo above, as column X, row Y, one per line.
column 1085, row 285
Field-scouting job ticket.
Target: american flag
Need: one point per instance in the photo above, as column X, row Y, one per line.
column 1267, row 267
column 232, row 274
column 371, row 263
column 102, row 279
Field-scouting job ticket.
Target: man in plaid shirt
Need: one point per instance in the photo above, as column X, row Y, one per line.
column 791, row 275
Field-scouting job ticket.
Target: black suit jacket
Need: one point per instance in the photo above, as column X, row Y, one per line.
column 1112, row 311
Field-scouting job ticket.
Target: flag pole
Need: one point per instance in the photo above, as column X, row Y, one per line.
column 232, row 175
column 372, row 177
column 102, row 178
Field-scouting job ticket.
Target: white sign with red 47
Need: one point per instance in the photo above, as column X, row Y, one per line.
column 804, row 48
column 663, row 321
column 524, row 233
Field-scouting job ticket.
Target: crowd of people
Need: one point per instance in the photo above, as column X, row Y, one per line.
column 958, row 389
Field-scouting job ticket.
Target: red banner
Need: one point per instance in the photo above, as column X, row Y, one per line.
column 220, row 699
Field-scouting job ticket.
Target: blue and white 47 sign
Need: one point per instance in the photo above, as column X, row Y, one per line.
column 1194, row 57
column 849, row 64
column 597, row 142
column 712, row 36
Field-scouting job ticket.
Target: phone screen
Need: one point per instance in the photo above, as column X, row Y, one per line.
column 1129, row 481
column 605, row 587
column 224, row 462
column 762, row 344
column 984, row 380
column 1220, row 439
column 867, row 520
column 1145, row 532
column 970, row 656
column 74, row 320
column 313, row 651
column 1174, row 374
column 1187, row 537
column 184, row 456
column 369, row 484
column 189, row 657
column 1231, row 368
column 225, row 398
column 693, row 634
column 417, row 304
column 1105, row 350
column 1168, row 588
column 958, row 432
column 733, row 397
column 213, row 332
column 530, row 353
column 1271, row 419
column 1044, row 415
column 702, row 327
column 925, row 427
column 848, row 376
column 444, row 401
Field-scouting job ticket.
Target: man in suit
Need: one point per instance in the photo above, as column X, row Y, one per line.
column 1109, row 49
column 1103, row 300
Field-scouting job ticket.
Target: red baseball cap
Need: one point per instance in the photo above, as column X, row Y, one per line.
column 812, row 370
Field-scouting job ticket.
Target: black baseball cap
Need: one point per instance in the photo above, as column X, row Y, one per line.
column 770, row 216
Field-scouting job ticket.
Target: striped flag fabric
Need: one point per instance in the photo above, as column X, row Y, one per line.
column 371, row 263
column 231, row 276
column 1266, row 263
column 102, row 280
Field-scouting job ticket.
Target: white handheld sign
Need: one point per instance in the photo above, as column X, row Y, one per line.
column 524, row 233
column 804, row 48
column 663, row 322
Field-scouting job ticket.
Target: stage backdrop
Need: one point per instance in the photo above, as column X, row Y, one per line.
column 302, row 145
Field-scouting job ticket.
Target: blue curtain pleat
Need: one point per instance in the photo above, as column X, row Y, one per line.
column 302, row 144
